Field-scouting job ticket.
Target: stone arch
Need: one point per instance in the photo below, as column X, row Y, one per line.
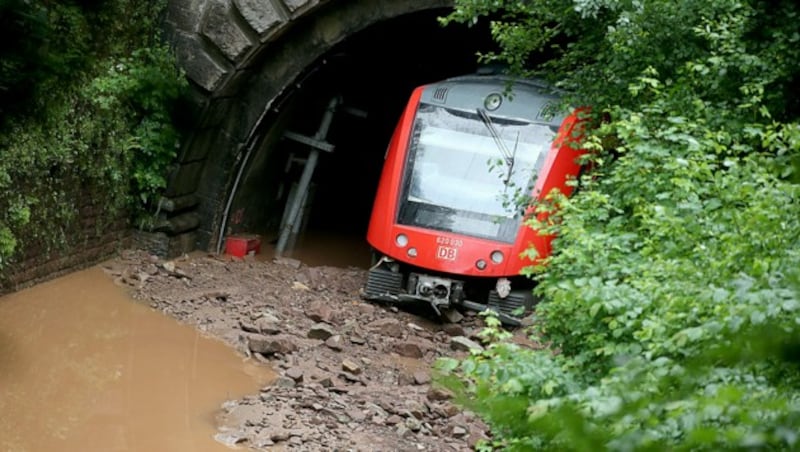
column 240, row 57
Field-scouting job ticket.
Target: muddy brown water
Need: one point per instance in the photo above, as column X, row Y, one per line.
column 84, row 368
column 315, row 248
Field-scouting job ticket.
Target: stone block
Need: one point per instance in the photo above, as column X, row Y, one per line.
column 295, row 6
column 261, row 15
column 207, row 71
column 185, row 179
column 184, row 14
column 220, row 27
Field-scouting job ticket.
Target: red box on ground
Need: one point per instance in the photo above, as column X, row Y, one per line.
column 241, row 245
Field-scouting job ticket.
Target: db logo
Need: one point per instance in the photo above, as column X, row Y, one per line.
column 446, row 253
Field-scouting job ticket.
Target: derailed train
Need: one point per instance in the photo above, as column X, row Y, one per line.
column 446, row 227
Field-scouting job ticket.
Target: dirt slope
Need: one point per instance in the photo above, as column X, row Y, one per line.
column 352, row 375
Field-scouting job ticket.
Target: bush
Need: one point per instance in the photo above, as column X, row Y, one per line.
column 94, row 117
column 674, row 292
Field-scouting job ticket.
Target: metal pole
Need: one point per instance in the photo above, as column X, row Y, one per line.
column 305, row 178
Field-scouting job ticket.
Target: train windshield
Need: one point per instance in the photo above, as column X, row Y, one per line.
column 467, row 170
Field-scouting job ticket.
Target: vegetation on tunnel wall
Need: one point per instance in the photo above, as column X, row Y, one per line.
column 88, row 93
column 672, row 300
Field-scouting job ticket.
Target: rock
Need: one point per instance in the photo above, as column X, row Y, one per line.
column 463, row 418
column 285, row 382
column 452, row 315
column 356, row 415
column 349, row 377
column 438, row 394
column 349, row 326
column 321, row 331
column 387, row 327
column 393, row 420
column 295, row 373
column 413, row 424
column 403, row 432
column 416, row 409
column 528, row 320
column 268, row 324
column 377, row 410
column 453, row 330
column 421, row 377
column 366, row 309
column 450, row 410
column 334, row 343
column 320, row 312
column 300, row 286
column 474, row 438
column 262, row 442
column 249, row 327
column 461, row 343
column 524, row 341
column 408, row 349
column 279, row 436
column 231, row 439
column 378, row 420
column 459, row 431
column 151, row 269
column 358, row 340
column 388, row 406
column 405, row 379
column 270, row 345
column 351, row 367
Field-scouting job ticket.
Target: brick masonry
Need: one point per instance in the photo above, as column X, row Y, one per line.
column 87, row 246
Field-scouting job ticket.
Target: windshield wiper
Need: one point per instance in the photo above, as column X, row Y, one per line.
column 508, row 156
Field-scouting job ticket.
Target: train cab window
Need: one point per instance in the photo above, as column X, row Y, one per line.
column 465, row 170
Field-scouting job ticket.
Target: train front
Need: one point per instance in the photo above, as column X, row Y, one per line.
column 447, row 223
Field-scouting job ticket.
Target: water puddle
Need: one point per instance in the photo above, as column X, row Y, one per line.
column 83, row 368
column 315, row 248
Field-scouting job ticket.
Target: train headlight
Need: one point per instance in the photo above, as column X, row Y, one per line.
column 497, row 257
column 401, row 240
column 412, row 252
column 481, row 264
column 493, row 101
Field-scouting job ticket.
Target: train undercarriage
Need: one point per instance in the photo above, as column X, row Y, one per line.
column 394, row 282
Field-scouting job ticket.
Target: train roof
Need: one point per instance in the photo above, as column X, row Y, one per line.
column 531, row 100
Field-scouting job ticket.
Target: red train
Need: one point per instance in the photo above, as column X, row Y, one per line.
column 445, row 227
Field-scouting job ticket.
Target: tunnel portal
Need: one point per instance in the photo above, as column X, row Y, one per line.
column 245, row 165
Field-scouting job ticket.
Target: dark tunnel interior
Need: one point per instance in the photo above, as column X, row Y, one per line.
column 373, row 72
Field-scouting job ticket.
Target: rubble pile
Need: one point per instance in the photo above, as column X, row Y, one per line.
column 351, row 375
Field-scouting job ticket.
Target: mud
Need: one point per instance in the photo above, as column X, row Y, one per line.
column 353, row 375
column 84, row 368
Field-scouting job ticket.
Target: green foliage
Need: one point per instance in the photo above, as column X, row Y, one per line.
column 96, row 120
column 674, row 292
column 144, row 86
